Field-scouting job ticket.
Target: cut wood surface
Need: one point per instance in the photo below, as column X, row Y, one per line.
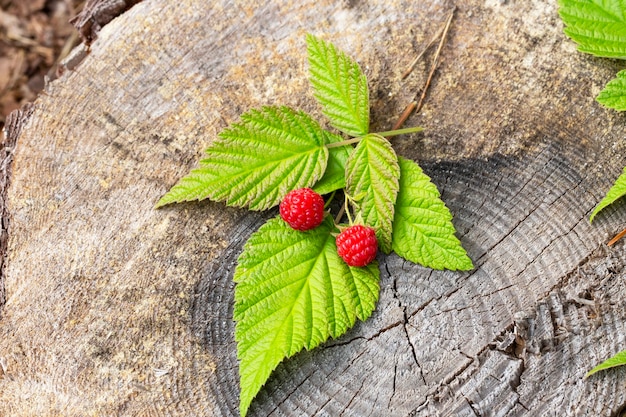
column 115, row 308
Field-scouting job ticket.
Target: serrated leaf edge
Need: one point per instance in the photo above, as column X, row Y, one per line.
column 430, row 191
column 617, row 191
column 255, row 180
column 339, row 85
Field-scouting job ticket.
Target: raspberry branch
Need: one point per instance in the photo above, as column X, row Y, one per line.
column 386, row 134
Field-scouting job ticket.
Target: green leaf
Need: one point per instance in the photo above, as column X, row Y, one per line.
column 372, row 171
column 614, row 94
column 335, row 176
column 293, row 291
column 617, row 191
column 256, row 162
column 617, row 360
column 597, row 26
column 339, row 86
column 422, row 228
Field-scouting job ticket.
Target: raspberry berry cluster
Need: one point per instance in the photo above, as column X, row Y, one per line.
column 303, row 209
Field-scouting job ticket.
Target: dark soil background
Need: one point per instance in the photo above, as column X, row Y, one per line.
column 35, row 35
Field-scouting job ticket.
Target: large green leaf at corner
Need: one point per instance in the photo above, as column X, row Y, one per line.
column 372, row 173
column 339, row 86
column 597, row 26
column 613, row 95
column 422, row 227
column 257, row 162
column 293, row 291
column 335, row 175
column 617, row 191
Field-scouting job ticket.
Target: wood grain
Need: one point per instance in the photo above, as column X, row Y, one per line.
column 114, row 308
column 13, row 128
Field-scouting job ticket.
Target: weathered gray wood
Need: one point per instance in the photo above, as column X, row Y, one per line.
column 114, row 308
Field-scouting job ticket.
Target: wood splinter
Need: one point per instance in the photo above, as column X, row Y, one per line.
column 617, row 238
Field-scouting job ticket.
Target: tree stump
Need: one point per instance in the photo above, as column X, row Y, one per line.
column 114, row 308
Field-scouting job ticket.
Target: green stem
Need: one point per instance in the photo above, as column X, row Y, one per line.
column 389, row 133
column 340, row 214
column 330, row 200
column 344, row 142
column 404, row 131
column 345, row 202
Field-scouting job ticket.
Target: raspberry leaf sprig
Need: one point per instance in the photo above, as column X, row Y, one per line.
column 599, row 29
column 303, row 277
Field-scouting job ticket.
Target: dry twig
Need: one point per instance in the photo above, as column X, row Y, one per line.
column 421, row 54
column 617, row 238
column 417, row 105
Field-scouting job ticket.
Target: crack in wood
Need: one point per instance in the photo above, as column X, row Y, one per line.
column 592, row 256
column 405, row 323
column 436, row 391
column 521, row 404
column 619, row 412
column 324, row 404
column 12, row 130
column 419, row 408
column 96, row 14
column 347, row 407
column 556, row 317
column 288, row 394
column 472, row 406
column 393, row 385
column 412, row 350
column 337, row 343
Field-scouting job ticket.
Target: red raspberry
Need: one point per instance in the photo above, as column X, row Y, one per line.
column 357, row 245
column 302, row 209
